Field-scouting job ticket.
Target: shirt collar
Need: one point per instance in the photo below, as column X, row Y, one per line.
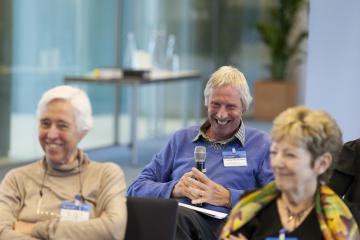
column 240, row 134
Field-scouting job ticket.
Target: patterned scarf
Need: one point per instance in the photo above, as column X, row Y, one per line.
column 335, row 219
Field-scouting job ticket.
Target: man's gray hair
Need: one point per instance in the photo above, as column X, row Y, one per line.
column 77, row 98
column 229, row 76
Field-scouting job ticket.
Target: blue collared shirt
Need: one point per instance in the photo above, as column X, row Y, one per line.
column 177, row 157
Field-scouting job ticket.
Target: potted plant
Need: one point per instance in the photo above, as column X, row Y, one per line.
column 276, row 94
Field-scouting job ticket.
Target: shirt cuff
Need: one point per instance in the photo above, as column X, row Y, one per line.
column 235, row 196
column 170, row 189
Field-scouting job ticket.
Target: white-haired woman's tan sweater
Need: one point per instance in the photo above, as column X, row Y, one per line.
column 102, row 185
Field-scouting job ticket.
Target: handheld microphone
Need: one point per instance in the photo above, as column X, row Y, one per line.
column 200, row 155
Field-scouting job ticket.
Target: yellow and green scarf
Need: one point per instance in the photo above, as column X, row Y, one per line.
column 335, row 219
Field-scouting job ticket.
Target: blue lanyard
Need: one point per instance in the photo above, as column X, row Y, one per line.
column 282, row 236
column 282, row 233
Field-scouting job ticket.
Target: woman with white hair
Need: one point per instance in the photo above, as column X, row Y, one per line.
column 65, row 195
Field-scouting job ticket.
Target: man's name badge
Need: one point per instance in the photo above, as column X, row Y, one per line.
column 74, row 211
column 234, row 158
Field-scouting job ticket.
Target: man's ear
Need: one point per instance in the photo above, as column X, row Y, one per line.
column 82, row 134
column 322, row 163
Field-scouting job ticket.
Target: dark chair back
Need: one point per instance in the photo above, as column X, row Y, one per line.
column 150, row 218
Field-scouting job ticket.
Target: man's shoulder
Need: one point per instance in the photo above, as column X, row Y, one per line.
column 256, row 133
column 104, row 166
column 23, row 170
column 105, row 172
column 353, row 144
column 350, row 151
column 188, row 132
column 191, row 129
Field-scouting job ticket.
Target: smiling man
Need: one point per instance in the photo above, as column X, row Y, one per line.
column 64, row 195
column 237, row 159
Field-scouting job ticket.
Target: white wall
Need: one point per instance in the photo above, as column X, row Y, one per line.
column 333, row 64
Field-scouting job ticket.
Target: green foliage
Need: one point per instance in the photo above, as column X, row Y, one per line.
column 275, row 31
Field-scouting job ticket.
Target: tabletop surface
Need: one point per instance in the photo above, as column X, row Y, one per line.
column 117, row 76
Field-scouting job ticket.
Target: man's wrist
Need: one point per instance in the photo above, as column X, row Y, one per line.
column 23, row 227
column 228, row 203
column 174, row 190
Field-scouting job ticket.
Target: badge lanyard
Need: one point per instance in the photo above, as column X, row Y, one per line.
column 41, row 193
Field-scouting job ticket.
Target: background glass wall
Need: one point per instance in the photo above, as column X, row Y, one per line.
column 43, row 41
column 51, row 39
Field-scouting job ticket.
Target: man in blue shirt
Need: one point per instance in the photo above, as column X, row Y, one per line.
column 237, row 159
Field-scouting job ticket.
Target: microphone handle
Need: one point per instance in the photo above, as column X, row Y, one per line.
column 200, row 165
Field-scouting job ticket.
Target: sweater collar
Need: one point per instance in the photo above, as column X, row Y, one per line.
column 66, row 169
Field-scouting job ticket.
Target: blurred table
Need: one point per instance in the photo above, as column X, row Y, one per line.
column 135, row 81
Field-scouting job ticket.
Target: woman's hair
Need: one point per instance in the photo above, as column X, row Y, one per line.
column 229, row 76
column 315, row 131
column 77, row 98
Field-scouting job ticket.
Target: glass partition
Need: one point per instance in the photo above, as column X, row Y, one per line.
column 43, row 41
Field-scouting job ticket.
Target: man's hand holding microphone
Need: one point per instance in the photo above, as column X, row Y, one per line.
column 196, row 186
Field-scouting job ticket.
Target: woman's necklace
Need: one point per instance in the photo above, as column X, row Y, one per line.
column 295, row 218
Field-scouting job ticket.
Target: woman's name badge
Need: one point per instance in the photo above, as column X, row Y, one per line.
column 234, row 158
column 74, row 211
column 280, row 238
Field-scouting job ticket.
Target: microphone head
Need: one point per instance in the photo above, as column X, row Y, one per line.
column 200, row 153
